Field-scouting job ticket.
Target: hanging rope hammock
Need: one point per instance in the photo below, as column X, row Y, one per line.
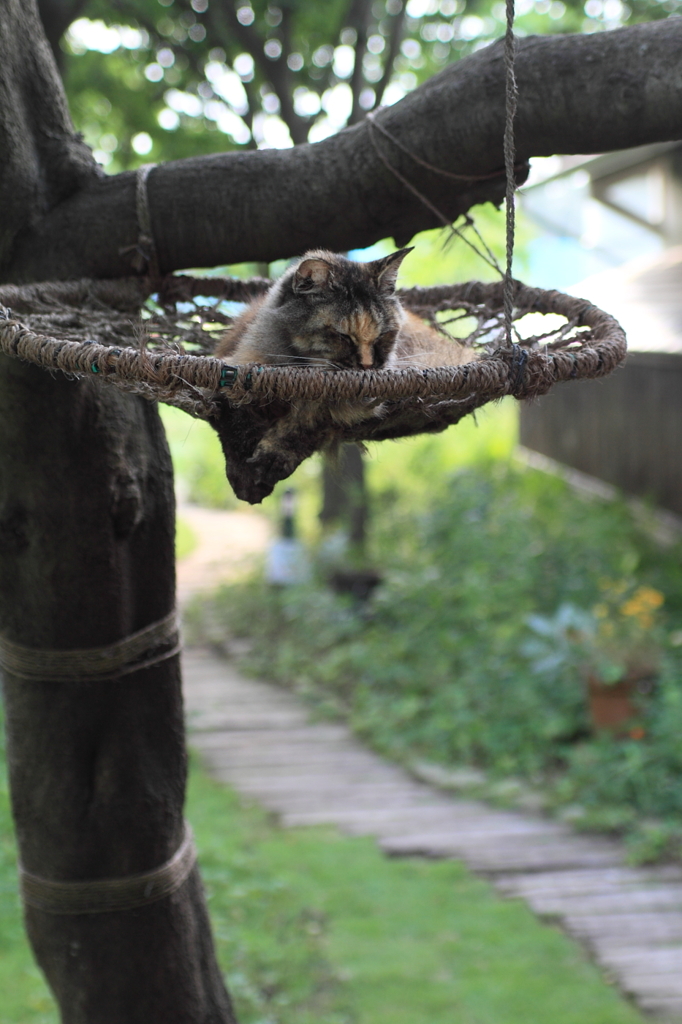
column 161, row 349
column 154, row 337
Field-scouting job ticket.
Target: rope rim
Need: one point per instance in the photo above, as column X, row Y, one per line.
column 181, row 378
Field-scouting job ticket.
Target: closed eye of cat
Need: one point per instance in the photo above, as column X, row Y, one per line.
column 343, row 337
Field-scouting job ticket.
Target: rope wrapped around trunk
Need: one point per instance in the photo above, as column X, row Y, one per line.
column 155, row 643
column 110, row 895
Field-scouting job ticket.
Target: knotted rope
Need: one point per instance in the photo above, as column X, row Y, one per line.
column 143, row 253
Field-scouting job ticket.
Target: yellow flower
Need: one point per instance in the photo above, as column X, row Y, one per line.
column 652, row 598
column 643, row 602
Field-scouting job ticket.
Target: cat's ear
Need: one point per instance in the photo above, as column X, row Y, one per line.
column 312, row 275
column 385, row 271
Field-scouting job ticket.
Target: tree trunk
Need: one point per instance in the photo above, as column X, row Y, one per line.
column 97, row 769
column 344, row 496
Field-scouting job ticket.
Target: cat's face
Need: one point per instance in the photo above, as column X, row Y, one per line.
column 342, row 314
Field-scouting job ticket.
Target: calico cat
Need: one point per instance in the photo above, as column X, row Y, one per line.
column 329, row 312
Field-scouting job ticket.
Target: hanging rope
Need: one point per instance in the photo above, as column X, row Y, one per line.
column 511, row 90
column 487, row 256
column 485, row 253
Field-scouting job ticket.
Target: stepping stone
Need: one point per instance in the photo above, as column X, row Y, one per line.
column 586, row 881
column 609, row 902
column 627, row 929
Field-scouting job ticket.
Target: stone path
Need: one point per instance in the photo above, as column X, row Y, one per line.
column 257, row 738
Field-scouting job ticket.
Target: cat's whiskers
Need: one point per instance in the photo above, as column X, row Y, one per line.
column 295, row 360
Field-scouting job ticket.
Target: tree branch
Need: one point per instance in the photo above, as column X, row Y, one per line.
column 284, row 86
column 578, row 94
column 275, row 72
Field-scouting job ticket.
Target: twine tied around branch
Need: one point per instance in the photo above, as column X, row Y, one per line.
column 144, row 258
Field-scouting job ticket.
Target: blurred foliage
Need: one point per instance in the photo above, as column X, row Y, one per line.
column 435, row 667
column 163, row 79
column 186, row 539
column 197, row 460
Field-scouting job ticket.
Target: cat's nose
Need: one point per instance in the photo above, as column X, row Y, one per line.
column 365, row 354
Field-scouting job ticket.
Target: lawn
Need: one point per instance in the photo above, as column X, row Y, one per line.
column 314, row 928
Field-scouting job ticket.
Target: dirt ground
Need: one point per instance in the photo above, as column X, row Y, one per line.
column 228, row 543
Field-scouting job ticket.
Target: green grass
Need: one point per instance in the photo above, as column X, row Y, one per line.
column 425, row 942
column 313, row 928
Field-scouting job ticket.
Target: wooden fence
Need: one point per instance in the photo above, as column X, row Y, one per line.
column 625, row 429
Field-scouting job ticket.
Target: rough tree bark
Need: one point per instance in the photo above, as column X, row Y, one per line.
column 86, row 505
column 97, row 770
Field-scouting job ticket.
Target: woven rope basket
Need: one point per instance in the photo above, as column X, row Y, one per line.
column 160, row 347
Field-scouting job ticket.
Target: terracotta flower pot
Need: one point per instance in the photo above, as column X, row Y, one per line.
column 611, row 704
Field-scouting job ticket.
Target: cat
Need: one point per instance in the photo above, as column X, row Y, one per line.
column 333, row 313
column 329, row 312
